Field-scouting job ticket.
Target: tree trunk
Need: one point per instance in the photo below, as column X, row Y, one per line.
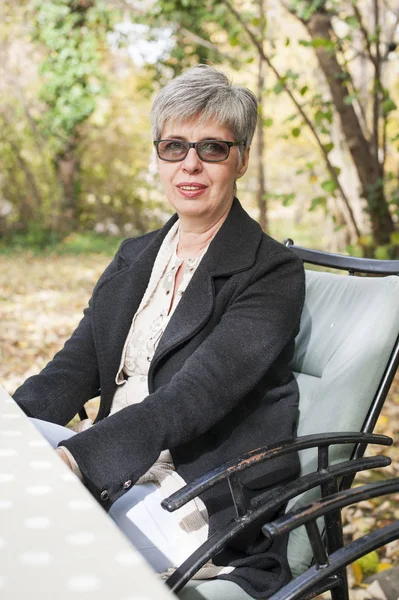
column 67, row 171
column 260, row 150
column 260, row 156
column 31, row 201
column 365, row 160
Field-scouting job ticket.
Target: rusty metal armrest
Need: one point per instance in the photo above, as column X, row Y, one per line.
column 265, row 505
column 230, row 469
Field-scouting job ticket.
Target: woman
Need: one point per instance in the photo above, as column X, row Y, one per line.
column 187, row 337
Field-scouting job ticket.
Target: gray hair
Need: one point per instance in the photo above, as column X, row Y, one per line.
column 206, row 93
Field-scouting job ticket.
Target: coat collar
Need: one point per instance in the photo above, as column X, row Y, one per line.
column 233, row 248
column 235, row 245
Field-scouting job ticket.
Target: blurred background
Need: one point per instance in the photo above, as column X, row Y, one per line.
column 77, row 79
column 77, row 170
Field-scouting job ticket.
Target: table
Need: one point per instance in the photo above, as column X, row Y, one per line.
column 56, row 542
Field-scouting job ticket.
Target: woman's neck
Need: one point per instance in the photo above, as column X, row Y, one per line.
column 194, row 237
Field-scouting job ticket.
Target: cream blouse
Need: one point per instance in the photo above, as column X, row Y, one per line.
column 150, row 321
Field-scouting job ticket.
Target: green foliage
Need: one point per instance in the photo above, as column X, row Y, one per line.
column 195, row 26
column 328, row 147
column 318, row 43
column 72, row 33
column 90, row 242
column 330, row 185
column 90, row 112
column 318, row 202
column 35, row 239
column 351, row 98
column 388, row 105
column 305, row 8
column 39, row 241
column 285, row 199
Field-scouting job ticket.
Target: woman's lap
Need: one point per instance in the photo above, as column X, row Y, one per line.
column 53, row 433
column 138, row 513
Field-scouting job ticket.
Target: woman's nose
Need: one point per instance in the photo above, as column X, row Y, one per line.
column 192, row 161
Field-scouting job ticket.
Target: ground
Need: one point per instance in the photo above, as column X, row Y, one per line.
column 41, row 301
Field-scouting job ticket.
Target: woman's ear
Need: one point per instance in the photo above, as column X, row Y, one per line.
column 242, row 169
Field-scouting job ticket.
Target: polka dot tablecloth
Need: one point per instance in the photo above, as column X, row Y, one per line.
column 56, row 542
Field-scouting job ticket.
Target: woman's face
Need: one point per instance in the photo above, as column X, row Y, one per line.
column 198, row 189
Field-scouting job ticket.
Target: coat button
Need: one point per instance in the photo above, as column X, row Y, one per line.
column 127, row 484
column 104, row 495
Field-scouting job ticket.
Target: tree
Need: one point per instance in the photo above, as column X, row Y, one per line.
column 368, row 151
column 73, row 34
column 367, row 142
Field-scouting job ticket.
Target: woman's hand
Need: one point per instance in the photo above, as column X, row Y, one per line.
column 64, row 457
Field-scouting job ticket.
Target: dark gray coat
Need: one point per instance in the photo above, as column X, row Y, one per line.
column 219, row 381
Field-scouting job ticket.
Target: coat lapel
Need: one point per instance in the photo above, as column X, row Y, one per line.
column 192, row 313
column 114, row 305
column 232, row 250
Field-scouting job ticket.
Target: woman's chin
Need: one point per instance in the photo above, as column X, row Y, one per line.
column 191, row 207
column 192, row 212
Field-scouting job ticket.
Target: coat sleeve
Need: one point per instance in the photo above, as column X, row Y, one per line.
column 61, row 389
column 255, row 329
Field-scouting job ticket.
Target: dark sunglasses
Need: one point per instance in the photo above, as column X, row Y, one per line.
column 207, row 150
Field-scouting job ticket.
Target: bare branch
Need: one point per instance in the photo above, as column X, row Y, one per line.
column 377, row 80
column 29, row 176
column 364, row 31
column 352, row 85
column 201, row 42
column 391, row 37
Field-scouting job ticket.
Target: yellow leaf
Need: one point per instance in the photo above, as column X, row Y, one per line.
column 368, row 563
column 383, row 420
column 357, row 573
column 383, row 566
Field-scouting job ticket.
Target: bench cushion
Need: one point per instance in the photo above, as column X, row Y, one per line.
column 348, row 329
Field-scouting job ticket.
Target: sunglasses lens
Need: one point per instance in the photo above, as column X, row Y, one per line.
column 172, row 150
column 213, row 151
column 208, row 150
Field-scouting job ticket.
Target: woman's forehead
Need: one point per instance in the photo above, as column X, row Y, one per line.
column 196, row 129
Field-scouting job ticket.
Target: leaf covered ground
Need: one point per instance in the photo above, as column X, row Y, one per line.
column 41, row 301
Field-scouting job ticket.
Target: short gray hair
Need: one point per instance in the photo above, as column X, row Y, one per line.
column 205, row 92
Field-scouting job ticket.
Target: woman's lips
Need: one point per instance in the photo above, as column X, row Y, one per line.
column 191, row 190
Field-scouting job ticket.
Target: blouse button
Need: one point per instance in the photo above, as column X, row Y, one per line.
column 127, row 484
column 167, row 292
column 104, row 495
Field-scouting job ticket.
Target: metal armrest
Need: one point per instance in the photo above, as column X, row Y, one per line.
column 321, row 576
column 264, row 506
column 259, row 455
column 319, row 508
column 353, row 264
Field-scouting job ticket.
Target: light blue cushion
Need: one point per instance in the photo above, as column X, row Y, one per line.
column 348, row 329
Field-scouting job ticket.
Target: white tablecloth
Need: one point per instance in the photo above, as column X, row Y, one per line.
column 56, row 542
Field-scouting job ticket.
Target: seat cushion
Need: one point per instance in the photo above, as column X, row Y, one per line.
column 348, row 329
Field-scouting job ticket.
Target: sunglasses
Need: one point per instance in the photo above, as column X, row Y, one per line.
column 207, row 150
